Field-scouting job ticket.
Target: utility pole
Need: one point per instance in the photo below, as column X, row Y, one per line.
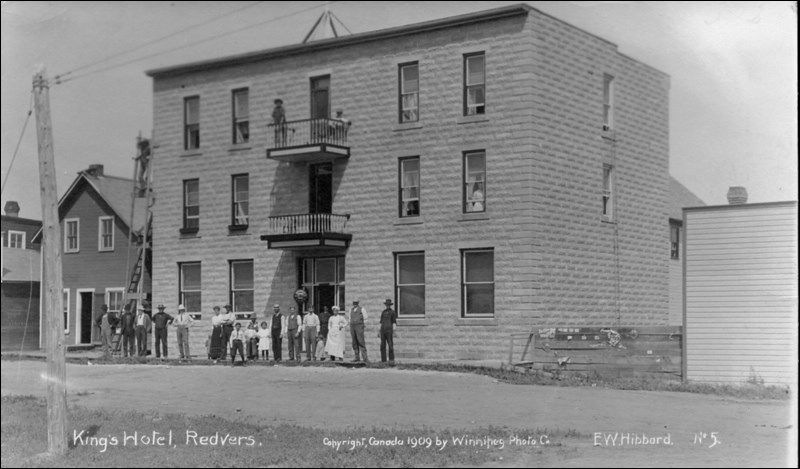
column 53, row 296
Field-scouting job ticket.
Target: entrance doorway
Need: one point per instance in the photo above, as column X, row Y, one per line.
column 86, row 308
column 320, row 188
column 320, row 97
column 323, row 279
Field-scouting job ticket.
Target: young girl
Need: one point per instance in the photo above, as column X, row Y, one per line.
column 264, row 340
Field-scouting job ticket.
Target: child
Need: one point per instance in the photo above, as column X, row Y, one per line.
column 264, row 340
column 251, row 338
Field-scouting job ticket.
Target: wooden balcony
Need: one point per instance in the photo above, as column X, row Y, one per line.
column 308, row 141
column 309, row 230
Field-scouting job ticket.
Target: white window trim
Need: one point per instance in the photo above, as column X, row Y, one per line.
column 66, row 307
column 108, row 298
column 397, row 286
column 78, row 319
column 100, row 246
column 77, row 221
column 21, row 234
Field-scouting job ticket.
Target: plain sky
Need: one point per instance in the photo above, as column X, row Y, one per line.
column 733, row 69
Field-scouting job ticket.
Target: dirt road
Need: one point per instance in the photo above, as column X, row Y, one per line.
column 748, row 433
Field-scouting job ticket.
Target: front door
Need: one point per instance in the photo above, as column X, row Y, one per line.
column 325, row 295
column 86, row 317
column 320, row 87
column 320, row 196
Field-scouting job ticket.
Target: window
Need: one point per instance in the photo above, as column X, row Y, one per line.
column 477, row 283
column 71, row 235
column 241, row 282
column 608, row 102
column 409, row 187
column 191, row 205
column 474, row 84
column 66, row 311
column 474, row 181
column 410, row 283
column 191, row 123
column 16, row 239
column 608, row 192
column 105, row 234
column 114, row 298
column 409, row 92
column 190, row 291
column 241, row 116
column 240, row 197
column 674, row 239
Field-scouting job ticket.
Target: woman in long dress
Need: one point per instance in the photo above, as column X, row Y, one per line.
column 215, row 350
column 336, row 335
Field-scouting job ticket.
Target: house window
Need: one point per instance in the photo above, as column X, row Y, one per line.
column 240, row 196
column 190, row 291
column 241, row 282
column 674, row 239
column 608, row 102
column 71, row 235
column 105, row 234
column 191, row 204
column 474, row 84
column 241, row 116
column 410, row 283
column 16, row 239
column 409, row 187
column 608, row 192
column 477, row 283
column 66, row 311
column 474, row 181
column 409, row 92
column 191, row 123
column 114, row 298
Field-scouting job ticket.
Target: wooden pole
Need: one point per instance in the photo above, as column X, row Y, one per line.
column 53, row 296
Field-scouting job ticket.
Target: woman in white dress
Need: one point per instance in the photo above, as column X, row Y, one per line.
column 336, row 334
column 264, row 340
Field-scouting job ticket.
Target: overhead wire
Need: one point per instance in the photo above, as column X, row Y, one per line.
column 19, row 141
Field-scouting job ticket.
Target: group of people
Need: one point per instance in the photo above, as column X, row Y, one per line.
column 337, row 127
column 134, row 330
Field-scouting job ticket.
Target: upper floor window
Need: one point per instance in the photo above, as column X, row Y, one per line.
column 190, row 290
column 474, row 84
column 16, row 239
column 72, row 235
column 608, row 192
column 240, row 202
column 477, row 282
column 105, row 234
column 114, row 299
column 241, row 116
column 191, row 123
column 608, row 102
column 409, row 92
column 191, row 204
column 410, row 283
column 474, row 181
column 409, row 187
column 674, row 239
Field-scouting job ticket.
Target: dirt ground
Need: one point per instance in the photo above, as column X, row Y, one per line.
column 748, row 433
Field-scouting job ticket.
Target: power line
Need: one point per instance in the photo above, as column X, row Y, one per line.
column 24, row 126
column 75, row 77
column 140, row 46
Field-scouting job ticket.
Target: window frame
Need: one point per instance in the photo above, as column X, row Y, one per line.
column 398, row 285
column 675, row 226
column 238, row 119
column 121, row 291
column 77, row 236
column 102, row 236
column 181, row 286
column 608, row 102
column 186, row 217
column 402, row 94
column 191, row 130
column 465, row 284
column 608, row 200
column 479, row 109
column 16, row 234
column 235, row 219
column 465, row 199
column 400, row 194
column 65, row 307
column 232, row 290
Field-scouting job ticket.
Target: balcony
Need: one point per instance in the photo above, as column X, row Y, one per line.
column 308, row 141
column 309, row 230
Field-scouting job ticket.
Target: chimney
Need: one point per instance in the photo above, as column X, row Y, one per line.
column 95, row 170
column 12, row 208
column 737, row 195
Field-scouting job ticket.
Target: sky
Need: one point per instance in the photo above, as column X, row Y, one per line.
column 733, row 69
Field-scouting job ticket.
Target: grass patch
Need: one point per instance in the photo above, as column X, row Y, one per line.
column 98, row 439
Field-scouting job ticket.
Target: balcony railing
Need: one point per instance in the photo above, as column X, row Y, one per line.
column 307, row 223
column 307, row 132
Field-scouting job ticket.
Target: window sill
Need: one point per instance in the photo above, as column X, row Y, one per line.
column 189, row 231
column 240, row 147
column 243, row 315
column 412, row 322
column 190, row 153
column 407, row 126
column 476, row 322
column 409, row 221
column 232, row 229
column 609, row 134
column 472, row 119
column 608, row 221
column 196, row 316
column 473, row 216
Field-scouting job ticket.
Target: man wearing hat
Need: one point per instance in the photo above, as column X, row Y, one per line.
column 388, row 324
column 277, row 327
column 161, row 319
column 182, row 323
column 228, row 318
column 143, row 326
column 279, row 121
column 128, row 330
column 358, row 319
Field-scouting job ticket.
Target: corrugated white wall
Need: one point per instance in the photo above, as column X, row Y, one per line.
column 741, row 293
